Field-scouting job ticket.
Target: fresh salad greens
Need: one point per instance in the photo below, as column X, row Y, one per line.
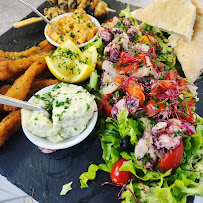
column 151, row 119
column 149, row 185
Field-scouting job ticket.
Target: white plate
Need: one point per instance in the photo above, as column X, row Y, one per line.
column 41, row 142
column 94, row 20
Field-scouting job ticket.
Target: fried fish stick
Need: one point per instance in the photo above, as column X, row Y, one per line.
column 9, row 126
column 39, row 84
column 23, row 64
column 9, row 69
column 45, row 46
column 5, row 72
column 21, row 86
column 4, row 89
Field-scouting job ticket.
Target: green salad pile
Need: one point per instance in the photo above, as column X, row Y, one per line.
column 147, row 185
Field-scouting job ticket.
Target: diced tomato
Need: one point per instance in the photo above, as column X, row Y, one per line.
column 173, row 75
column 132, row 83
column 120, row 177
column 187, row 116
column 129, row 68
column 107, row 107
column 153, row 108
column 172, row 159
column 118, row 80
column 106, row 96
column 163, row 85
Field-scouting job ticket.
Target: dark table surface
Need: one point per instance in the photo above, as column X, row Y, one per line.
column 25, row 166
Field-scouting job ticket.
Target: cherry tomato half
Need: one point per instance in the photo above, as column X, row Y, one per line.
column 171, row 160
column 119, row 177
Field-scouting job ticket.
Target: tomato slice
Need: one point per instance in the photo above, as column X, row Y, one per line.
column 172, row 160
column 119, row 177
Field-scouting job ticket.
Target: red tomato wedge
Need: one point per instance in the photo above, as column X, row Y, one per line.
column 172, row 160
column 119, row 177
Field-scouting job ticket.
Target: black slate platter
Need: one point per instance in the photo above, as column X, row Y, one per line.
column 42, row 175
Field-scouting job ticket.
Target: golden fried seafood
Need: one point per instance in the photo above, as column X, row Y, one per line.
column 9, row 126
column 21, row 86
column 97, row 8
column 45, row 46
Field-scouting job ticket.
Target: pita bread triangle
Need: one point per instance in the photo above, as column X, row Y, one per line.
column 174, row 16
column 190, row 54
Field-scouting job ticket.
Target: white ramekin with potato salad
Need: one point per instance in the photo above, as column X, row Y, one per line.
column 78, row 26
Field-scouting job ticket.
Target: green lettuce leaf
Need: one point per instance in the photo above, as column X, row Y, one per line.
column 93, row 82
column 89, row 175
column 127, row 14
column 199, row 127
column 128, row 126
column 98, row 44
column 66, row 188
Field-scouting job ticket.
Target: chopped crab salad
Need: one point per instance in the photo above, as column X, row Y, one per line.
column 152, row 137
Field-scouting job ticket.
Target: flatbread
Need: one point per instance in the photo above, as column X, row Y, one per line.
column 174, row 16
column 190, row 54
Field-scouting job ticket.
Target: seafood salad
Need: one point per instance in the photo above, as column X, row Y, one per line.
column 152, row 138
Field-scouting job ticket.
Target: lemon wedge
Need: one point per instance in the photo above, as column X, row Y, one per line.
column 68, row 46
column 89, row 56
column 71, row 65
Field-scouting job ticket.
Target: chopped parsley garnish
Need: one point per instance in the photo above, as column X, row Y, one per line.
column 125, row 28
column 118, row 24
column 176, row 133
column 146, row 158
column 89, row 25
column 22, row 56
column 61, row 38
column 156, row 106
column 72, row 35
column 58, row 104
column 88, row 106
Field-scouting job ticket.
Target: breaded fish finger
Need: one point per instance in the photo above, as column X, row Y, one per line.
column 4, row 89
column 21, row 86
column 45, row 46
column 23, row 64
column 9, row 126
column 5, row 73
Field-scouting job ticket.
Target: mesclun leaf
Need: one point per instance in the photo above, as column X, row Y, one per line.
column 89, row 175
column 142, row 173
column 128, row 126
column 110, row 154
column 66, row 188
column 127, row 14
column 199, row 127
column 191, row 145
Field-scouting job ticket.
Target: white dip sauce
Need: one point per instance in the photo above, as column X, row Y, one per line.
column 71, row 107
